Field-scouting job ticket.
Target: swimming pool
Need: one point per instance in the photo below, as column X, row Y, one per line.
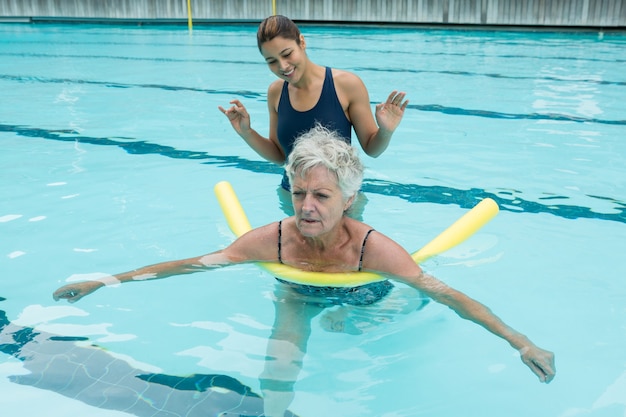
column 112, row 142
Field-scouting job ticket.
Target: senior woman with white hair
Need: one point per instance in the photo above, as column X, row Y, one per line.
column 326, row 175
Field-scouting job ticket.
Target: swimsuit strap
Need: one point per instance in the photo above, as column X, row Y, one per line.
column 280, row 232
column 363, row 248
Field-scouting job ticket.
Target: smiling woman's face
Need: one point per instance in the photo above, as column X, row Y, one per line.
column 284, row 57
column 317, row 201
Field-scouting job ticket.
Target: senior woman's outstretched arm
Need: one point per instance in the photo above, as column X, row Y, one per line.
column 253, row 246
column 387, row 257
column 540, row 361
column 75, row 291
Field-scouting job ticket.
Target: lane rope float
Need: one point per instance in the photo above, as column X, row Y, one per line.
column 457, row 232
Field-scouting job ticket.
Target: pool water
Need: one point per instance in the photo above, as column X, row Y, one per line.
column 112, row 141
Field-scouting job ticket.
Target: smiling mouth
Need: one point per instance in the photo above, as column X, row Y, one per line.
column 288, row 73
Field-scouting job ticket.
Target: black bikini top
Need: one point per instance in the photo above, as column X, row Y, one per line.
column 280, row 235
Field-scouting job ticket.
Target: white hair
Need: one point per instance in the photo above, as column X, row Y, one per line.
column 323, row 147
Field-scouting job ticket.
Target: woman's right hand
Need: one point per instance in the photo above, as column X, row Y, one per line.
column 238, row 116
column 77, row 290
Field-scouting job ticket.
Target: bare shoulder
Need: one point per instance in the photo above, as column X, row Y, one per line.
column 384, row 244
column 273, row 93
column 275, row 87
column 346, row 79
column 259, row 244
column 350, row 89
column 385, row 255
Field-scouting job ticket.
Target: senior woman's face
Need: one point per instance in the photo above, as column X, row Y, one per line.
column 317, row 202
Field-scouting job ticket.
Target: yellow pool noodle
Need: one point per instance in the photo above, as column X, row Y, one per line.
column 458, row 232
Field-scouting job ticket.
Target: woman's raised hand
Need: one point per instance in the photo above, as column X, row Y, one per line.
column 389, row 114
column 237, row 115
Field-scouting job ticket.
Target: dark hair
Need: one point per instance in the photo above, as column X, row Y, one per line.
column 274, row 26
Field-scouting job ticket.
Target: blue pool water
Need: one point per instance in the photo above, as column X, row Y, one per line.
column 111, row 143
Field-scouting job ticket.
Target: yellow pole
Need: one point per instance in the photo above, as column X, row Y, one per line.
column 274, row 7
column 189, row 20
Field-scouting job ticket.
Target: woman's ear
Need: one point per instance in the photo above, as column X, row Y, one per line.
column 302, row 42
column 348, row 203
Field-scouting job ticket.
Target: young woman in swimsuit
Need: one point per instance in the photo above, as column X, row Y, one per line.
column 326, row 175
column 306, row 94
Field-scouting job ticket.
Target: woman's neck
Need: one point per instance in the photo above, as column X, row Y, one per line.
column 310, row 77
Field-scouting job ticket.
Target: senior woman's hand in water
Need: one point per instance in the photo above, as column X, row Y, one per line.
column 75, row 291
column 540, row 361
column 237, row 116
column 389, row 114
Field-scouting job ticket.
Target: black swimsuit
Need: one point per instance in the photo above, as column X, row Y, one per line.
column 359, row 295
column 327, row 111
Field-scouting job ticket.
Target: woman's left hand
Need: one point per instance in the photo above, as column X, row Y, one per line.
column 540, row 361
column 389, row 114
